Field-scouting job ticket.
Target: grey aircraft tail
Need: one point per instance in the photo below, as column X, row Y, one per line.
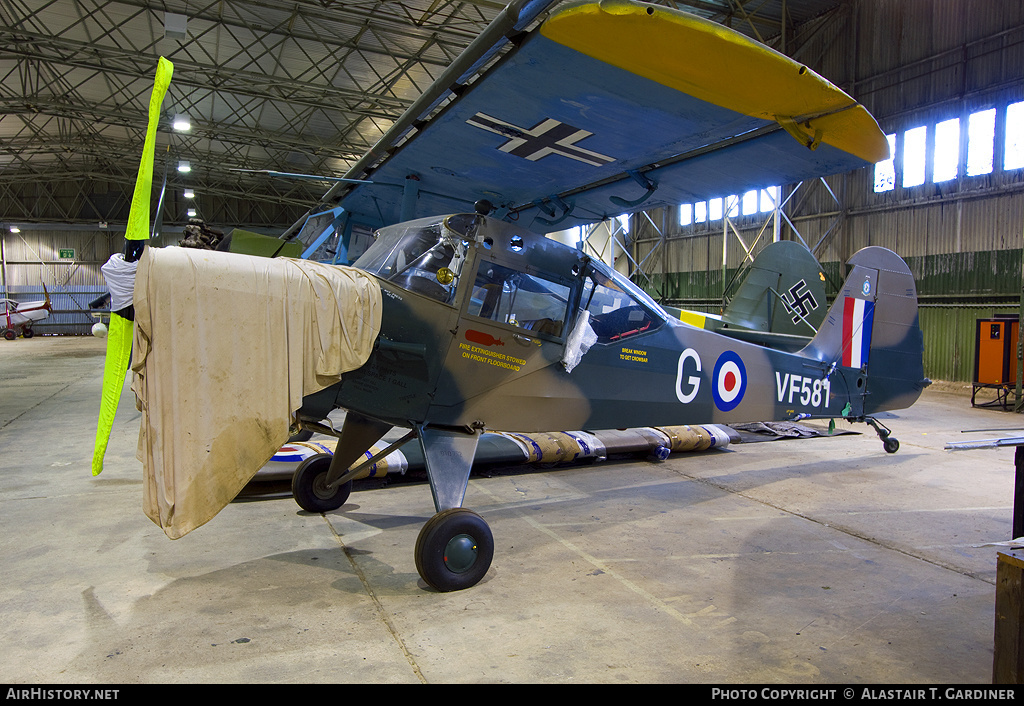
column 873, row 326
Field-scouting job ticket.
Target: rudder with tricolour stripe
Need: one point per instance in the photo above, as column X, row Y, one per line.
column 873, row 326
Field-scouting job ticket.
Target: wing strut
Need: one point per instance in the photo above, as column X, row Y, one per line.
column 642, row 181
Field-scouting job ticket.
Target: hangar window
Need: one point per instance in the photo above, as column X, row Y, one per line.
column 1013, row 157
column 700, row 212
column 769, row 198
column 947, row 150
column 715, row 210
column 914, row 156
column 750, row 203
column 957, row 148
column 885, row 171
column 732, row 206
column 981, row 132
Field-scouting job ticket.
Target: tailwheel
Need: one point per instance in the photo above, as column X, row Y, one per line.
column 309, row 486
column 890, row 443
column 454, row 550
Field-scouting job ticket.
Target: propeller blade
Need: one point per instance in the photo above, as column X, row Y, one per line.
column 119, row 342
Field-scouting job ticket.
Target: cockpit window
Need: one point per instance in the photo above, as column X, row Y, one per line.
column 526, row 301
column 423, row 256
column 393, row 249
column 616, row 311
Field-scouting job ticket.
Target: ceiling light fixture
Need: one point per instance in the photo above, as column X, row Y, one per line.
column 175, row 26
column 182, row 123
column 184, row 167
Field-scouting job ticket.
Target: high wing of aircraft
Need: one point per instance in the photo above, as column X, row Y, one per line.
column 606, row 108
column 16, row 315
column 460, row 323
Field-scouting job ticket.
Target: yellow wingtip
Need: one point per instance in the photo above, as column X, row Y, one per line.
column 717, row 65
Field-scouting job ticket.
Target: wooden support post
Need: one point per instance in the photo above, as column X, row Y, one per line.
column 1018, row 493
column 1007, row 663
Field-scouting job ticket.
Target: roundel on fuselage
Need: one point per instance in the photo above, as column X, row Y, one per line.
column 729, row 381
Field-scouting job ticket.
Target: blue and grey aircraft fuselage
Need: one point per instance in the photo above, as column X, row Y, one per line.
column 490, row 348
column 487, row 326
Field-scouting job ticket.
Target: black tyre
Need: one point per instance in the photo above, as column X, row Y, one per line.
column 309, row 486
column 27, row 333
column 454, row 550
column 891, row 445
column 10, row 334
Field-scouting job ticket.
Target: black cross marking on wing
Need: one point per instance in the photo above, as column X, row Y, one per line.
column 547, row 137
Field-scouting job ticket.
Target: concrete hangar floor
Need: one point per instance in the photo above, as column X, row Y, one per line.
column 818, row 560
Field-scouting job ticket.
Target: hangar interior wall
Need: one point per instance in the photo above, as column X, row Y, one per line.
column 912, row 63
column 63, row 263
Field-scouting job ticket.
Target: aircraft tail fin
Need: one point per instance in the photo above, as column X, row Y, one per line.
column 873, row 326
column 783, row 291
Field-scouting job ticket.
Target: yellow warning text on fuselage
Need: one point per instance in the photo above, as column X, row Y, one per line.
column 634, row 355
column 498, row 360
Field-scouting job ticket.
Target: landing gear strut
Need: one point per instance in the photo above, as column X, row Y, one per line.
column 890, row 443
column 455, row 547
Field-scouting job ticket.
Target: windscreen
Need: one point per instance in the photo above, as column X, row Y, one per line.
column 423, row 256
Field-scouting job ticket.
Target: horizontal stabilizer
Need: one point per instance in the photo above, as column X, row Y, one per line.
column 779, row 302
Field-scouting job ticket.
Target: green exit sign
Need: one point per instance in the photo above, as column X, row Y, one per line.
column 67, row 254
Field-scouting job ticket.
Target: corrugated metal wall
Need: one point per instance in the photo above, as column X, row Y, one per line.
column 914, row 62
column 32, row 260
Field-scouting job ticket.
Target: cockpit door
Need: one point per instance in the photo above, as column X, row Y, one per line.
column 513, row 323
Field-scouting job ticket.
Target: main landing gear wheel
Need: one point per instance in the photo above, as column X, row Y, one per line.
column 309, row 486
column 454, row 550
